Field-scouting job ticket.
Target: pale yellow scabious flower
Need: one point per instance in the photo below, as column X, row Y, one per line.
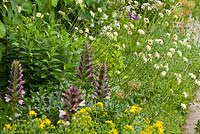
column 135, row 109
column 32, row 113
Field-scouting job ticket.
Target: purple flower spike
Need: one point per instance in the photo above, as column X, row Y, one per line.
column 73, row 99
column 134, row 16
column 15, row 90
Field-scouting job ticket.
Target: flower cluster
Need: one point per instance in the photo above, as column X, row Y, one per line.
column 16, row 89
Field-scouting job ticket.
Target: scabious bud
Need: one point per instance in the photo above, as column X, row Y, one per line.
column 73, row 98
column 15, row 89
column 86, row 67
column 101, row 84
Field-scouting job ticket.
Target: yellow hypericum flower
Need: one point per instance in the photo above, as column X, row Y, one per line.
column 129, row 127
column 7, row 126
column 32, row 113
column 113, row 131
column 42, row 125
column 109, row 122
column 159, row 126
column 135, row 109
column 61, row 122
column 100, row 105
column 46, row 121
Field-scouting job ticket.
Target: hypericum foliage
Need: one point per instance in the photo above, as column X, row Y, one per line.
column 73, row 98
column 15, row 89
column 86, row 67
column 101, row 84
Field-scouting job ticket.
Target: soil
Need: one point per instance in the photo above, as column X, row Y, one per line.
column 193, row 116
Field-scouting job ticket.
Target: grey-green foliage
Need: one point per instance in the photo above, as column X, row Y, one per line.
column 46, row 52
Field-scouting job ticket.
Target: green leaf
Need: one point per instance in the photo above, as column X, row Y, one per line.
column 2, row 30
column 0, row 55
column 54, row 3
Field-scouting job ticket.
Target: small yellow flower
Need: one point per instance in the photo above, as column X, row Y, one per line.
column 100, row 105
column 46, row 121
column 159, row 126
column 61, row 122
column 42, row 125
column 113, row 131
column 129, row 127
column 32, row 113
column 135, row 109
column 7, row 126
column 109, row 122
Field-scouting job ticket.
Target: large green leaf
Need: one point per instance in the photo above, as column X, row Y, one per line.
column 2, row 30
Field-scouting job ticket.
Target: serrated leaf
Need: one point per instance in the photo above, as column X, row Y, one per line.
column 2, row 30
column 54, row 3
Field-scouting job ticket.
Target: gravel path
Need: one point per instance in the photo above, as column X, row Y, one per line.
column 193, row 116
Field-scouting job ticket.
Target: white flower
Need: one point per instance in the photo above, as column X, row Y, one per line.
column 105, row 17
column 39, row 15
column 86, row 30
column 161, row 15
column 141, row 32
column 166, row 66
column 91, row 37
column 157, row 55
column 168, row 11
column 172, row 91
column 156, row 66
column 169, row 54
column 61, row 13
column 131, row 25
column 146, row 20
column 197, row 82
column 79, row 2
column 150, row 42
column 192, row 76
column 183, row 106
column 179, row 53
column 92, row 13
column 138, row 43
column 185, row 59
column 159, row 41
column 126, row 27
column 163, row 73
column 172, row 50
column 175, row 37
column 144, row 59
column 80, row 31
column 168, row 35
column 148, row 48
column 185, row 94
column 19, row 9
column 99, row 9
column 189, row 46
